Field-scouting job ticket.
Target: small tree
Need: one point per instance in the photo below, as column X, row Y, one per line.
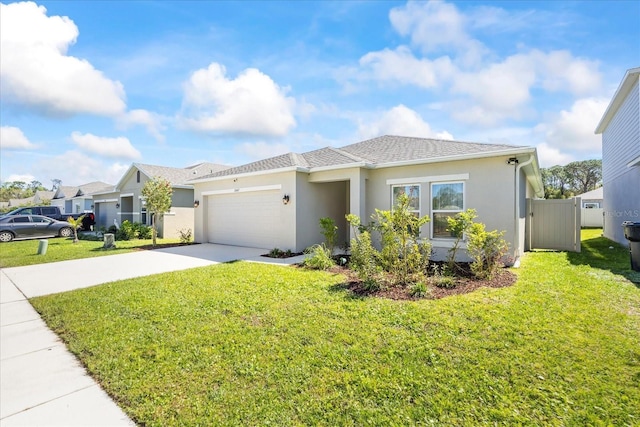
column 330, row 233
column 458, row 225
column 75, row 224
column 157, row 193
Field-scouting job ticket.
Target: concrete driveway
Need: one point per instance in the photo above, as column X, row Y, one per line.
column 41, row 383
column 44, row 279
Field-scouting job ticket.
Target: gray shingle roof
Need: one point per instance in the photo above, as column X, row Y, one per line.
column 377, row 151
column 389, row 148
column 180, row 176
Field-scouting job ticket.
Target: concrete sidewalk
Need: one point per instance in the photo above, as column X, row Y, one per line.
column 41, row 383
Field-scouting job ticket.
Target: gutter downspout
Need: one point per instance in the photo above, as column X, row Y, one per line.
column 516, row 218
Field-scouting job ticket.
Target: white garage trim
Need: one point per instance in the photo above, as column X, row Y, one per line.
column 105, row 201
column 127, row 195
column 242, row 190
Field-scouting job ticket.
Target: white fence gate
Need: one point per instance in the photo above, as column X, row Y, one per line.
column 592, row 217
column 553, row 224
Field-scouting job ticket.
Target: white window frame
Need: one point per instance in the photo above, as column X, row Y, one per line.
column 434, row 211
column 417, row 212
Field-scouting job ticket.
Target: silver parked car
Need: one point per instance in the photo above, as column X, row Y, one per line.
column 32, row 226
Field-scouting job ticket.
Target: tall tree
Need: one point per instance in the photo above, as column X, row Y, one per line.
column 586, row 175
column 157, row 194
column 55, row 183
column 578, row 177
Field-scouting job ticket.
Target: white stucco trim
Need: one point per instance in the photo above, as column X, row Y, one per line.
column 468, row 156
column 421, row 179
column 243, row 190
column 126, row 195
column 105, row 201
column 128, row 213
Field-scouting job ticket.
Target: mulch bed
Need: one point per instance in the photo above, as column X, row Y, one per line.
column 465, row 283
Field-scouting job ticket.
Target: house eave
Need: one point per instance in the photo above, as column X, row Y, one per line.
column 250, row 174
column 469, row 156
column 630, row 79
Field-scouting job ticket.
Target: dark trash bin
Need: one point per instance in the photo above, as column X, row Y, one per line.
column 632, row 234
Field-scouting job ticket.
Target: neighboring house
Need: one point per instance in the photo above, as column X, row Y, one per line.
column 592, row 210
column 39, row 198
column 592, row 199
column 78, row 199
column 124, row 201
column 620, row 129
column 277, row 202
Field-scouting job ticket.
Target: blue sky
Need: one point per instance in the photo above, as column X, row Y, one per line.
column 90, row 87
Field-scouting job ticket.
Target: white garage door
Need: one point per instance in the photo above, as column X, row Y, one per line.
column 245, row 219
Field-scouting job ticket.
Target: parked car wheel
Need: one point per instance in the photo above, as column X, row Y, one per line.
column 6, row 236
column 66, row 232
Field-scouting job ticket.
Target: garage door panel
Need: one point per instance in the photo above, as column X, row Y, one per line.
column 244, row 219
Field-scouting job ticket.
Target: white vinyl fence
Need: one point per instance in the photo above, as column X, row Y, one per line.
column 592, row 217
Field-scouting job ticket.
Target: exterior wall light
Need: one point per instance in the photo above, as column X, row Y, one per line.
column 196, row 203
column 285, row 199
column 117, row 205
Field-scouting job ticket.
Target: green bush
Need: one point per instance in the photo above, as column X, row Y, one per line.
column 318, row 258
column 419, row 290
column 486, row 248
column 403, row 254
column 364, row 261
column 458, row 225
column 185, row 236
column 126, row 232
column 330, row 233
column 142, row 231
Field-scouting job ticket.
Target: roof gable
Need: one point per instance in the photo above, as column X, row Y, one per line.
column 631, row 78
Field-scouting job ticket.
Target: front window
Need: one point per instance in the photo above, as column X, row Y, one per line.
column 413, row 191
column 447, row 199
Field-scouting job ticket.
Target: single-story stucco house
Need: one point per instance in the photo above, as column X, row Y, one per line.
column 277, row 202
column 78, row 199
column 124, row 201
column 620, row 129
column 39, row 198
column 592, row 199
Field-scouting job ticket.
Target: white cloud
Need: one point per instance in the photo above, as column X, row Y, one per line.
column 561, row 71
column 262, row 150
column 75, row 168
column 37, row 72
column 22, row 178
column 402, row 66
column 151, row 121
column 119, row 147
column 12, row 138
column 573, row 129
column 437, row 26
column 400, row 120
column 252, row 103
column 550, row 156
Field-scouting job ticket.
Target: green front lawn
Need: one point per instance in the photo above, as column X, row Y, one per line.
column 24, row 252
column 251, row 344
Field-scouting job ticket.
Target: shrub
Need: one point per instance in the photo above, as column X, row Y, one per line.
column 330, row 233
column 486, row 248
column 403, row 254
column 144, row 231
column 364, row 261
column 318, row 258
column 458, row 225
column 126, row 232
column 112, row 229
column 419, row 290
column 185, row 236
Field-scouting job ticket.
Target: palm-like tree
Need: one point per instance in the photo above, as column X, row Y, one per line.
column 75, row 224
